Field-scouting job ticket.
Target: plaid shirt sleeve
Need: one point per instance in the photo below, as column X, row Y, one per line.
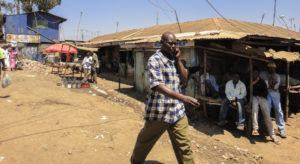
column 155, row 74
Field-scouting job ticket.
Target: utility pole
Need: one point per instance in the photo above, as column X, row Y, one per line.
column 177, row 21
column 81, row 34
column 291, row 20
column 78, row 25
column 274, row 15
column 262, row 18
column 157, row 18
column 117, row 26
column 282, row 18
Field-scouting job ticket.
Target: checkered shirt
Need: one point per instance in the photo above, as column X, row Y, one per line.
column 159, row 107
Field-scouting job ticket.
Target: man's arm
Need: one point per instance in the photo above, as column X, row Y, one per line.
column 277, row 78
column 243, row 92
column 228, row 91
column 170, row 93
column 183, row 73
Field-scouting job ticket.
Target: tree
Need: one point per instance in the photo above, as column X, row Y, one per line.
column 18, row 6
column 42, row 5
column 27, row 5
column 46, row 5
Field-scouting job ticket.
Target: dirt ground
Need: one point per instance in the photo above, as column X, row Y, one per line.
column 41, row 122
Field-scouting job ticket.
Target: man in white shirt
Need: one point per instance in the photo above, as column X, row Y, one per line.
column 235, row 91
column 87, row 65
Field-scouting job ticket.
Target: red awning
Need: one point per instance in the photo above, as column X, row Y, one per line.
column 62, row 48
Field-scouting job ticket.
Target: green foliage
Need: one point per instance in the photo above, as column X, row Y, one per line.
column 42, row 5
column 46, row 5
column 27, row 5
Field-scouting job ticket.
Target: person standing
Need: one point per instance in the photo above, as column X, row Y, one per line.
column 165, row 105
column 87, row 66
column 95, row 67
column 6, row 56
column 274, row 98
column 13, row 58
column 236, row 92
column 260, row 93
column 2, row 62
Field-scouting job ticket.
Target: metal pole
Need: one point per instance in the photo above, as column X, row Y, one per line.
column 274, row 14
column 177, row 21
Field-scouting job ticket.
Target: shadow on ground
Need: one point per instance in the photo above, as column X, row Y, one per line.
column 131, row 92
column 4, row 97
column 152, row 162
column 208, row 125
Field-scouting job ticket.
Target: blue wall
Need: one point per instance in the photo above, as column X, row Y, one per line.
column 16, row 24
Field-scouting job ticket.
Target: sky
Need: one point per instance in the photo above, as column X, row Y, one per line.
column 100, row 17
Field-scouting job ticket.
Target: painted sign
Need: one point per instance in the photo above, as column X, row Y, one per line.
column 180, row 43
column 23, row 38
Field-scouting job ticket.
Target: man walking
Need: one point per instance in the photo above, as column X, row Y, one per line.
column 87, row 66
column 164, row 108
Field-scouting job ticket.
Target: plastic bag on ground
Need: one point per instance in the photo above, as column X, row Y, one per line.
column 6, row 81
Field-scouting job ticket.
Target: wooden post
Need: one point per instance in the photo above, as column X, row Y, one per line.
column 249, row 110
column 204, row 80
column 287, row 99
column 198, row 78
column 287, row 81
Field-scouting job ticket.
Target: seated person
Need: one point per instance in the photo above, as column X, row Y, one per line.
column 235, row 91
column 212, row 88
column 260, row 93
column 69, row 57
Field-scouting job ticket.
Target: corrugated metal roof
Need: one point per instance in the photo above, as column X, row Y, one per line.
column 210, row 24
column 207, row 35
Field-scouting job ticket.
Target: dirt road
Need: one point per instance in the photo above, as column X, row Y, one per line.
column 41, row 122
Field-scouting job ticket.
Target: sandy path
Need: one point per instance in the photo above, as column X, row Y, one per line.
column 44, row 123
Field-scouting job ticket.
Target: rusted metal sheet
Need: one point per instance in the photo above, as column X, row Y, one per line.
column 23, row 38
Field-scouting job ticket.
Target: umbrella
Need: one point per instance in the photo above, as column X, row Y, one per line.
column 62, row 48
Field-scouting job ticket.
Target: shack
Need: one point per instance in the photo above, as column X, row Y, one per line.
column 221, row 44
column 17, row 28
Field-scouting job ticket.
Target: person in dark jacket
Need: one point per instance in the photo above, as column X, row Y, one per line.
column 260, row 93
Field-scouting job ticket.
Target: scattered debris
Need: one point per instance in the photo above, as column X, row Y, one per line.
column 31, row 75
column 241, row 149
column 34, row 66
column 9, row 101
column 102, row 136
column 103, row 118
column 1, row 158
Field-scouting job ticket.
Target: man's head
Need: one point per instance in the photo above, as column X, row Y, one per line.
column 168, row 41
column 89, row 53
column 271, row 67
column 235, row 78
